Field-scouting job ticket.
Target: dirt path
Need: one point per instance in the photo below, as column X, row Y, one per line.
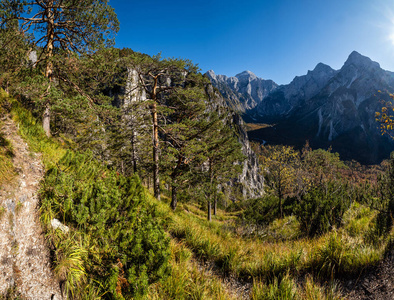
column 235, row 288
column 375, row 283
column 24, row 258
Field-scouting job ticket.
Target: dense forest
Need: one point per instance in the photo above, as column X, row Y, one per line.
column 136, row 154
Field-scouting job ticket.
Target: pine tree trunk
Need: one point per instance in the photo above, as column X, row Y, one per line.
column 134, row 157
column 46, row 120
column 209, row 211
column 156, row 180
column 215, row 204
column 174, row 200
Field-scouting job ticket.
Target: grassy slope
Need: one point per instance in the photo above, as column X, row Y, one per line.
column 273, row 267
column 186, row 280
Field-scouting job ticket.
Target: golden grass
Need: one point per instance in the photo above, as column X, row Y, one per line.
column 337, row 253
column 188, row 280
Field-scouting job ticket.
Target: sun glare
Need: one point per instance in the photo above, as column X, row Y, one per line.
column 391, row 38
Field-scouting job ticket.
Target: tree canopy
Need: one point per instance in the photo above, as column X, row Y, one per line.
column 61, row 26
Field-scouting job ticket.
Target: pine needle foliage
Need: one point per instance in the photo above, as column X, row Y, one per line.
column 127, row 249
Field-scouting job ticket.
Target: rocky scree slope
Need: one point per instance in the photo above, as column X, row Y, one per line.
column 329, row 108
column 24, row 258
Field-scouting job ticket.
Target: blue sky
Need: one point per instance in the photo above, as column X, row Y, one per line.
column 277, row 39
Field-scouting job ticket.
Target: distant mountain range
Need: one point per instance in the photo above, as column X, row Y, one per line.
column 327, row 107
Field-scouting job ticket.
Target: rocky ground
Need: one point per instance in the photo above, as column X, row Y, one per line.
column 236, row 288
column 24, row 258
column 375, row 283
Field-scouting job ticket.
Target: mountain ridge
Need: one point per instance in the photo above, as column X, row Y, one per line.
column 329, row 108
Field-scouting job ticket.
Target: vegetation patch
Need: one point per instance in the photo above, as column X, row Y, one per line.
column 115, row 245
column 7, row 172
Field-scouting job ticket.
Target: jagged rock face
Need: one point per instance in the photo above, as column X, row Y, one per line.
column 244, row 91
column 251, row 178
column 331, row 108
column 130, row 92
column 285, row 98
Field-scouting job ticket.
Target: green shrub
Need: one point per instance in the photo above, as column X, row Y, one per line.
column 384, row 220
column 322, row 208
column 128, row 250
column 261, row 211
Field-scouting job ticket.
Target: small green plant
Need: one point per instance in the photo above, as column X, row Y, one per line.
column 284, row 289
column 2, row 211
column 11, row 294
column 7, row 172
column 15, row 248
column 18, row 207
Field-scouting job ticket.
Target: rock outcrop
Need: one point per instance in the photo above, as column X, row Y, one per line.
column 251, row 179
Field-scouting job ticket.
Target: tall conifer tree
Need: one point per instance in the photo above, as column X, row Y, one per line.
column 67, row 25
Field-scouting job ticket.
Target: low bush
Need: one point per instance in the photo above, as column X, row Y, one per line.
column 128, row 250
column 261, row 211
column 322, row 208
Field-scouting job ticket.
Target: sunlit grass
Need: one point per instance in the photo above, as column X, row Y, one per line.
column 187, row 279
column 342, row 252
column 33, row 132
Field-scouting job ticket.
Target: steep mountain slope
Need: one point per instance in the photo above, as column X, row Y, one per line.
column 330, row 108
column 286, row 98
column 244, row 91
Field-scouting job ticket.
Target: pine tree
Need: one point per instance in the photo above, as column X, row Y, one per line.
column 159, row 78
column 183, row 137
column 61, row 25
column 14, row 54
column 223, row 158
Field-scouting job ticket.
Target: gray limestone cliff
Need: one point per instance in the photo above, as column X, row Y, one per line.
column 251, row 178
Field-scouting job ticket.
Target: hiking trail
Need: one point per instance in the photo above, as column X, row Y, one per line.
column 24, row 256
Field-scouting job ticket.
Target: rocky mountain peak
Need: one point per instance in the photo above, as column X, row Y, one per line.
column 243, row 91
column 246, row 74
column 323, row 68
column 211, row 74
column 360, row 61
